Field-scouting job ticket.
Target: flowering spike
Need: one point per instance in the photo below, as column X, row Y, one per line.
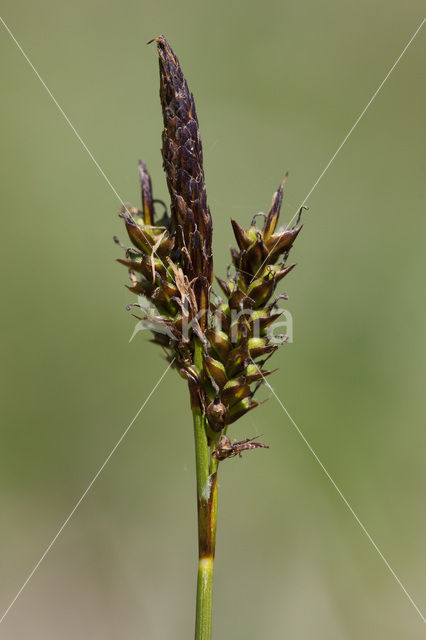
column 173, row 267
column 218, row 345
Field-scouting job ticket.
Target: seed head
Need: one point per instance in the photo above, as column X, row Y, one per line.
column 171, row 264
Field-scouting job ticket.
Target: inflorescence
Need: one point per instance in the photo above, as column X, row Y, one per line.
column 171, row 265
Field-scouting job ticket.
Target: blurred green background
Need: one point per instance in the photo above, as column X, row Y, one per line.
column 277, row 86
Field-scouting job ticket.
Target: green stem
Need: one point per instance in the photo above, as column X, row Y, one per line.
column 206, row 470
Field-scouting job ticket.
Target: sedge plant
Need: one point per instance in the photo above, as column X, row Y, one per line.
column 218, row 343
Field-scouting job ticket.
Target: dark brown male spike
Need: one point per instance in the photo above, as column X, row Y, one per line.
column 191, row 222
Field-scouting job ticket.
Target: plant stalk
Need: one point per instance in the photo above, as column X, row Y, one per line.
column 206, row 471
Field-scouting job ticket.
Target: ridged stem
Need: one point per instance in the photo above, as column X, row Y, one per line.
column 206, row 470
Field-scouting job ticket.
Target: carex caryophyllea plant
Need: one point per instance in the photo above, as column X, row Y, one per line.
column 219, row 344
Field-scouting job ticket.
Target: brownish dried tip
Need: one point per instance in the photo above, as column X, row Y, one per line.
column 146, row 193
column 274, row 211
